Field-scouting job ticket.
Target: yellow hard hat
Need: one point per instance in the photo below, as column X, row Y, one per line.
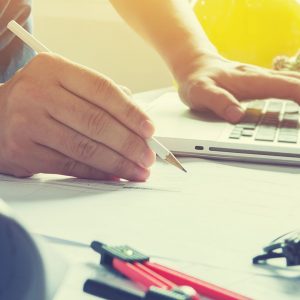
column 252, row 31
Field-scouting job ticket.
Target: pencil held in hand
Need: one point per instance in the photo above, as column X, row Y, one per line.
column 36, row 45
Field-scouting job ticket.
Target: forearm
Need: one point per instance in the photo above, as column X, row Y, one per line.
column 171, row 26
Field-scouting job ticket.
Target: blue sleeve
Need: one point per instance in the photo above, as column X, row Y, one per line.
column 13, row 53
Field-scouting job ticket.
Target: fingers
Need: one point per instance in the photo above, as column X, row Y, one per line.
column 76, row 113
column 82, row 149
column 252, row 82
column 46, row 160
column 104, row 93
column 206, row 95
column 96, row 124
column 263, row 85
column 267, row 71
column 286, row 73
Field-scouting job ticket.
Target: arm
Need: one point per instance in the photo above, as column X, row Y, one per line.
column 205, row 79
column 171, row 26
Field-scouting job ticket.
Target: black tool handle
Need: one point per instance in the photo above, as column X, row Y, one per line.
column 155, row 293
column 110, row 292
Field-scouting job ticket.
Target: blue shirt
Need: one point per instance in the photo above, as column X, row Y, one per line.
column 13, row 53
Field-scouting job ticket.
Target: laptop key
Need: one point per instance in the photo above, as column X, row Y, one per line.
column 258, row 104
column 291, row 107
column 275, row 106
column 235, row 136
column 290, row 117
column 288, row 138
column 270, row 122
column 267, row 127
column 266, row 133
column 250, row 119
column 289, row 124
column 252, row 115
column 236, row 133
column 247, row 133
column 247, row 125
column 265, row 138
column 288, row 131
column 270, row 118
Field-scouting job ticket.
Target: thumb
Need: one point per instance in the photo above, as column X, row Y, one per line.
column 199, row 95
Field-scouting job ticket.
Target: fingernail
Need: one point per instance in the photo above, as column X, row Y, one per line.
column 141, row 174
column 234, row 113
column 147, row 158
column 147, row 129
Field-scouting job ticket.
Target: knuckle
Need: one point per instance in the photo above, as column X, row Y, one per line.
column 53, row 63
column 42, row 57
column 191, row 92
column 131, row 146
column 103, row 86
column 120, row 166
column 45, row 59
column 98, row 122
column 244, row 68
column 132, row 112
column 69, row 166
column 195, row 88
column 84, row 148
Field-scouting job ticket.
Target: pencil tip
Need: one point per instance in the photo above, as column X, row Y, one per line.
column 175, row 162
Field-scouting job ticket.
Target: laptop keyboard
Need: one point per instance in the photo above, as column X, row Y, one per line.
column 269, row 121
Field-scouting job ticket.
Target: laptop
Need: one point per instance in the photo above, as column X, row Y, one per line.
column 269, row 132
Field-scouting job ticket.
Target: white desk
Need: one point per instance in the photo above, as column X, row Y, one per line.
column 214, row 221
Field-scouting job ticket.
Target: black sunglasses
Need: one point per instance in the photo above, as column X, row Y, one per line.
column 286, row 246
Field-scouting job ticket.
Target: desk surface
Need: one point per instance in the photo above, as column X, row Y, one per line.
column 209, row 223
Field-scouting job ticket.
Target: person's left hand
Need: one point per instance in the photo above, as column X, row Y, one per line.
column 214, row 83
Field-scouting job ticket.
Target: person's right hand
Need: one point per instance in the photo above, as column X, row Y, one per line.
column 58, row 117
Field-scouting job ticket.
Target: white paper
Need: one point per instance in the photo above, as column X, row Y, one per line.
column 215, row 218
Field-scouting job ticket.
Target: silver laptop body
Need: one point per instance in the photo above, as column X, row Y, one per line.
column 269, row 133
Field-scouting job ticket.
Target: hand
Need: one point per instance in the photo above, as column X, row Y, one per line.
column 58, row 117
column 213, row 83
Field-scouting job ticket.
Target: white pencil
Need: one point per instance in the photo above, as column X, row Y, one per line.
column 37, row 46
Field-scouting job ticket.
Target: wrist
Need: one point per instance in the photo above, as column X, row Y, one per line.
column 187, row 63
